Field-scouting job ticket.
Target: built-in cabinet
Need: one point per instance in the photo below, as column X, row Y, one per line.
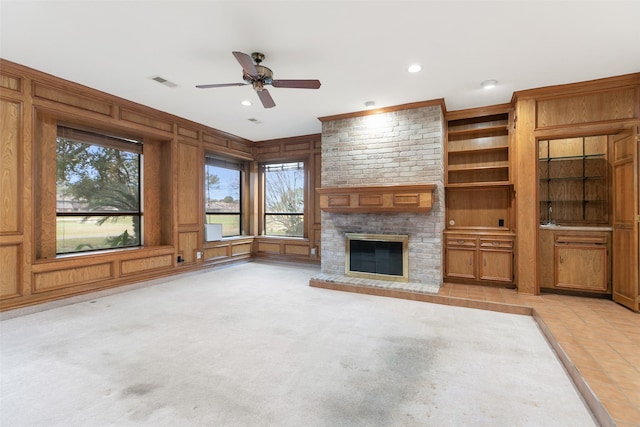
column 574, row 200
column 479, row 236
column 574, row 186
column 575, row 259
column 483, row 258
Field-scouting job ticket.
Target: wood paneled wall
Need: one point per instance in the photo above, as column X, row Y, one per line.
column 598, row 107
column 32, row 105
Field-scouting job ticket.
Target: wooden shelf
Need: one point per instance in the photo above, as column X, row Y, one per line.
column 490, row 184
column 369, row 199
column 478, row 132
column 572, row 178
column 572, row 201
column 474, row 168
column 479, row 150
column 481, row 176
column 580, row 157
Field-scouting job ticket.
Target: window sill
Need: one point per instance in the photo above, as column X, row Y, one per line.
column 106, row 253
column 299, row 239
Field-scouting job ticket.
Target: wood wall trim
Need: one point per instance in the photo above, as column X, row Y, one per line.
column 10, row 263
column 433, row 103
column 67, row 97
column 585, row 129
column 83, row 274
column 526, row 189
column 11, row 82
column 287, row 148
column 590, row 86
column 14, row 77
column 11, row 188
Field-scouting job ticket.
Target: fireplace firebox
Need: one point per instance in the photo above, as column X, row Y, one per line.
column 377, row 256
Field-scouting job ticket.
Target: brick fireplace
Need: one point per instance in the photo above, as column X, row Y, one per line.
column 400, row 147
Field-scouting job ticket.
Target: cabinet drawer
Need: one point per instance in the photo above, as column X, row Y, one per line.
column 496, row 243
column 583, row 238
column 464, row 241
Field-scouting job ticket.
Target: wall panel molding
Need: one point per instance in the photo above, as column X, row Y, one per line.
column 57, row 279
column 66, row 97
column 133, row 266
column 11, row 82
column 10, row 167
column 11, row 277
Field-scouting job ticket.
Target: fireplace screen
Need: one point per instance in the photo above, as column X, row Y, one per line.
column 378, row 256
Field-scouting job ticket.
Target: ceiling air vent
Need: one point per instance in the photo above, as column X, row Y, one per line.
column 164, row 81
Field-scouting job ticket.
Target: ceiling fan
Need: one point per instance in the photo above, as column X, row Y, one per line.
column 259, row 76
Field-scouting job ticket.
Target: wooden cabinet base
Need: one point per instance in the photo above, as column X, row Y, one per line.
column 479, row 258
column 575, row 261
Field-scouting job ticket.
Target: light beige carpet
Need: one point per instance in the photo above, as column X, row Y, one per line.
column 254, row 345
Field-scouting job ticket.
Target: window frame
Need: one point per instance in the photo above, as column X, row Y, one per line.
column 103, row 139
column 230, row 164
column 305, row 197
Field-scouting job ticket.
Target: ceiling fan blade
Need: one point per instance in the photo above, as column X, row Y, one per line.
column 297, row 84
column 266, row 99
column 247, row 63
column 220, row 85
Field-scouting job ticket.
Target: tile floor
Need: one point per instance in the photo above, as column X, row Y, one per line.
column 600, row 338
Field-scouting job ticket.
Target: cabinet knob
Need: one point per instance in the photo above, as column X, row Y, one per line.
column 460, row 242
column 561, row 259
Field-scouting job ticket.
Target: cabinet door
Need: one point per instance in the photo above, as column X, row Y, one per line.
column 459, row 262
column 496, row 266
column 626, row 219
column 581, row 267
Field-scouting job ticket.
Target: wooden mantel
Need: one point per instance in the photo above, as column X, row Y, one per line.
column 373, row 199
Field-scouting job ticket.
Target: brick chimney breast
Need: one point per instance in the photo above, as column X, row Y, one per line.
column 398, row 147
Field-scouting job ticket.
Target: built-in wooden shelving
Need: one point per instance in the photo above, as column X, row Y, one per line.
column 479, row 198
column 478, row 150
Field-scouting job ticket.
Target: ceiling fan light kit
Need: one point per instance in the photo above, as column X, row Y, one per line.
column 259, row 76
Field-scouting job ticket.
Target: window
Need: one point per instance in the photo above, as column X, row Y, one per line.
column 284, row 199
column 223, row 195
column 98, row 191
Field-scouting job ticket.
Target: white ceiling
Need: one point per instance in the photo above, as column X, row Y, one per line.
column 359, row 50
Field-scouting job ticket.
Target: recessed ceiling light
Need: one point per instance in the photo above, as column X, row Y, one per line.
column 414, row 68
column 489, row 84
column 369, row 105
column 246, row 103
